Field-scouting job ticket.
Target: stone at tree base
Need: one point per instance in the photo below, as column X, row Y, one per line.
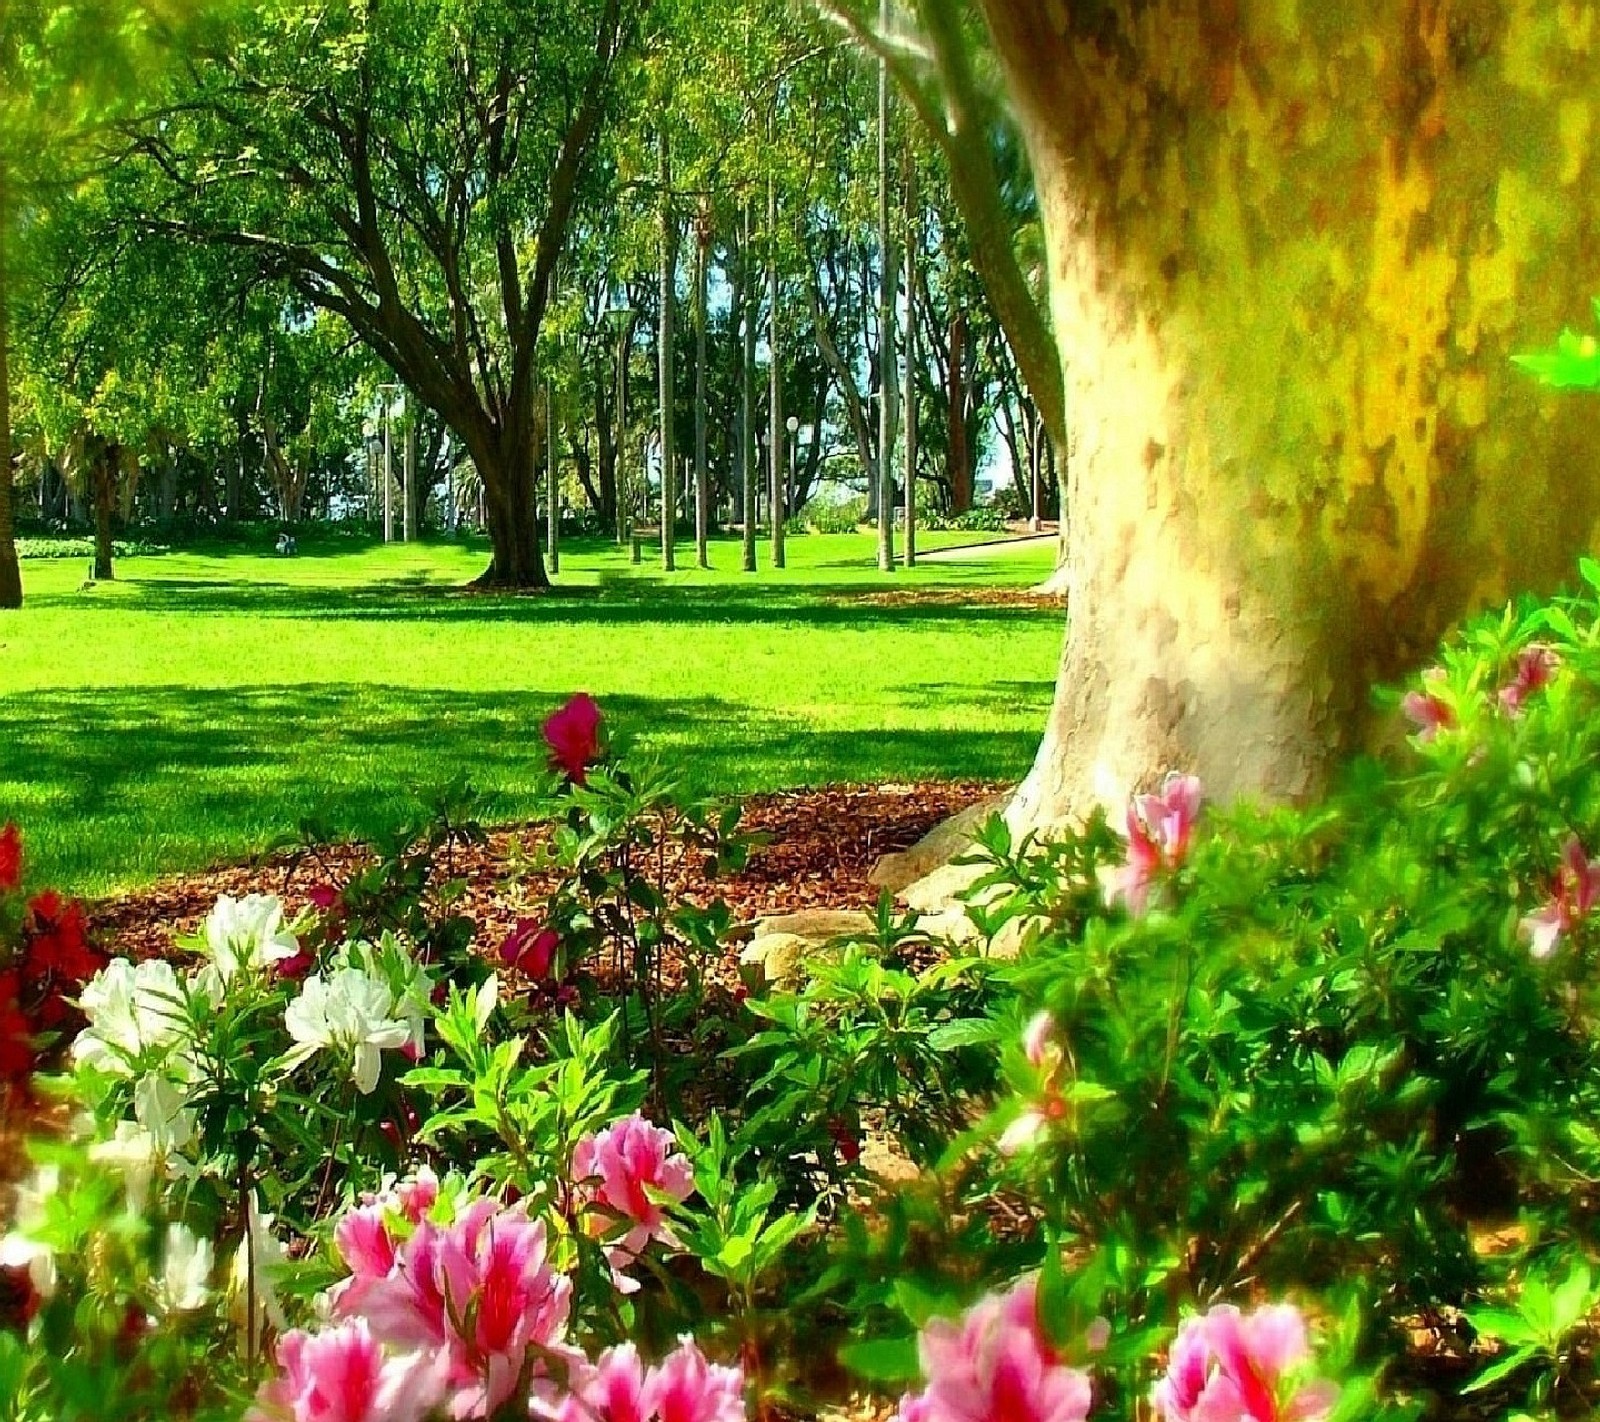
column 782, row 944
column 944, row 842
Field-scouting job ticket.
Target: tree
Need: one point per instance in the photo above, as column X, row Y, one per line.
column 63, row 67
column 1290, row 257
column 413, row 169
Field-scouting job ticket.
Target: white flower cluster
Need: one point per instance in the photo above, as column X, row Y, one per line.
column 151, row 1034
column 148, row 1026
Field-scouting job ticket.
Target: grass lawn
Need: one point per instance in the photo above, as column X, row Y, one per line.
column 204, row 704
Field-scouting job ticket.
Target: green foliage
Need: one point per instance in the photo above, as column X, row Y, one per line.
column 1542, row 1330
column 1573, row 364
column 1330, row 1049
column 83, row 548
column 822, row 515
column 979, row 520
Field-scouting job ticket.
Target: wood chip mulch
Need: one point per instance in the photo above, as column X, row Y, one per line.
column 820, row 848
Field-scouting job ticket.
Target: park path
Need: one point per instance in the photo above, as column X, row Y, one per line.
column 995, row 546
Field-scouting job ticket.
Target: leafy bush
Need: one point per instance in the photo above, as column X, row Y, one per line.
column 1296, row 1050
column 64, row 548
column 824, row 515
column 989, row 519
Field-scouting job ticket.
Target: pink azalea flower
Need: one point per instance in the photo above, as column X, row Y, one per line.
column 1159, row 830
column 686, row 1388
column 995, row 1365
column 618, row 1170
column 342, row 1375
column 1536, row 669
column 1430, row 714
column 530, row 948
column 1577, row 889
column 1230, row 1367
column 573, row 734
column 611, row 1391
column 1036, row 1039
column 481, row 1290
column 1022, row 1132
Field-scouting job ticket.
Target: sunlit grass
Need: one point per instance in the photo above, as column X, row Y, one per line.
column 205, row 703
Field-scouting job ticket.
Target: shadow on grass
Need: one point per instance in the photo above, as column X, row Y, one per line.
column 615, row 601
column 117, row 786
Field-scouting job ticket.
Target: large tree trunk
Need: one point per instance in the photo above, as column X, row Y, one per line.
column 510, row 488
column 103, row 472
column 10, row 567
column 1291, row 252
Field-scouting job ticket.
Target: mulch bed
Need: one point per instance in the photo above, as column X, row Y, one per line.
column 820, row 848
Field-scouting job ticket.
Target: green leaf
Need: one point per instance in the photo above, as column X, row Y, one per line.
column 1504, row 1368
column 882, row 1360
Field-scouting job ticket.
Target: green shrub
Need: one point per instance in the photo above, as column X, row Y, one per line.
column 822, row 515
column 988, row 519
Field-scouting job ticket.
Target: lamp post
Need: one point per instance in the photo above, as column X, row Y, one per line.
column 621, row 316
column 792, row 424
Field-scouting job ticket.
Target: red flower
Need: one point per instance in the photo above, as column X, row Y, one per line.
column 573, row 734
column 530, row 948
column 16, row 1033
column 57, row 940
column 846, row 1141
column 10, row 859
column 323, row 896
column 295, row 968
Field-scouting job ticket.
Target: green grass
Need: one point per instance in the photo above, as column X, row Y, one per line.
column 201, row 706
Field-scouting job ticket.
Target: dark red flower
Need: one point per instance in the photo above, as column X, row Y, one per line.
column 16, row 1034
column 10, row 859
column 573, row 734
column 845, row 1140
column 56, row 940
column 530, row 948
column 295, row 968
column 324, row 897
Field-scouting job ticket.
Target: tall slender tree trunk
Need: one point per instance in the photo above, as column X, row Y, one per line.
column 10, row 566
column 778, row 432
column 747, row 393
column 1290, row 257
column 702, row 490
column 960, row 443
column 664, row 336
column 887, row 278
column 913, row 253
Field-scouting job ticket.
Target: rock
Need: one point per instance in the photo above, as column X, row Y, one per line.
column 897, row 872
column 783, row 944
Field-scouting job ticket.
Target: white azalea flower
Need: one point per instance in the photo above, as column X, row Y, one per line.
column 131, row 1011
column 161, row 1107
column 248, row 935
column 19, row 1249
column 131, row 1152
column 268, row 1265
column 408, row 980
column 348, row 1011
column 185, row 1282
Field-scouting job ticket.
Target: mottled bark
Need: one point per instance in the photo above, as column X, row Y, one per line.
column 1292, row 249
